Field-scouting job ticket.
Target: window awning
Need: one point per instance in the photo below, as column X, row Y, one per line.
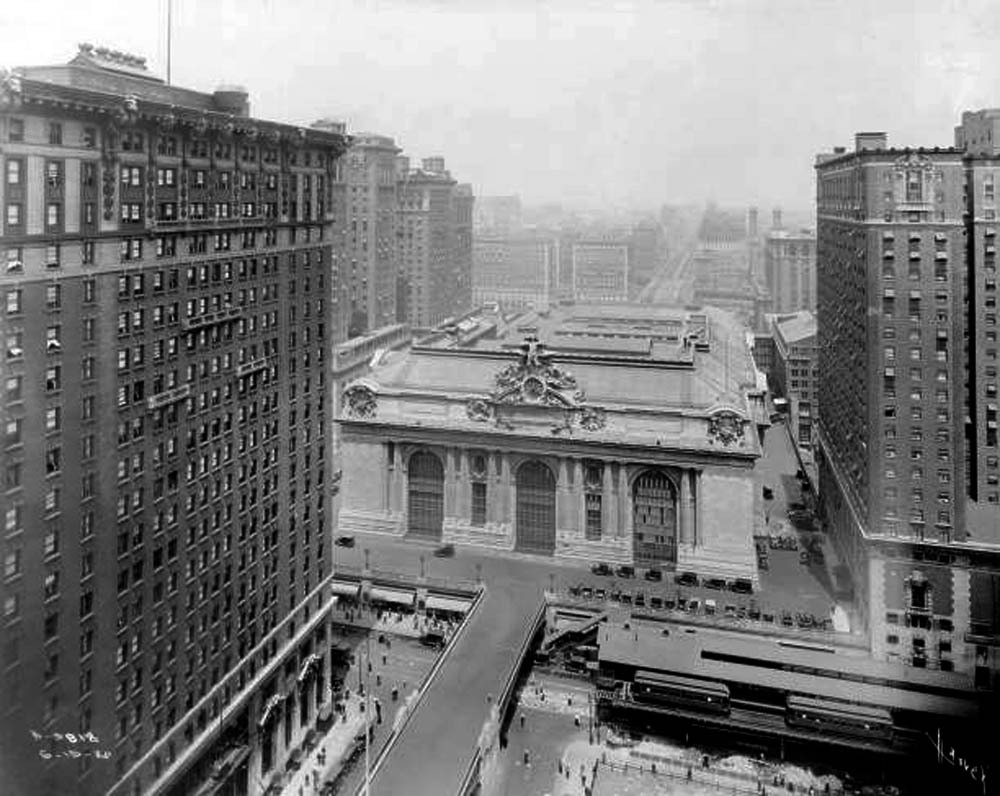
column 345, row 588
column 455, row 605
column 393, row 596
column 308, row 665
column 270, row 709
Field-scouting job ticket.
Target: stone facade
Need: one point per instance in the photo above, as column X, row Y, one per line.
column 550, row 462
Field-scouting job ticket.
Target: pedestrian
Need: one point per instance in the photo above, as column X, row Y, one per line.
column 522, row 720
column 689, row 773
column 383, row 660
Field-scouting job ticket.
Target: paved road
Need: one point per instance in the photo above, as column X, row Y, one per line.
column 448, row 721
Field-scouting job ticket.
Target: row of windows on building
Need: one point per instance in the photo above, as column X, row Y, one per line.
column 169, row 145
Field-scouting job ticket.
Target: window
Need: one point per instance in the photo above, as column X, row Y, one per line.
column 55, row 133
column 14, row 171
column 13, row 302
column 13, row 214
column 87, row 252
column 478, row 503
column 52, row 255
column 14, row 262
column 53, row 379
column 15, row 130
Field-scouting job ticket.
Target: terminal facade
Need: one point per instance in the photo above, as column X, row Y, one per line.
column 624, row 434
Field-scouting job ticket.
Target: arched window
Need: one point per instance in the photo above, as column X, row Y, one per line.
column 425, row 495
column 536, row 509
column 654, row 514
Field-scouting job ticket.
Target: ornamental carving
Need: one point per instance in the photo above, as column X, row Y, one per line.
column 10, row 88
column 593, row 418
column 360, row 401
column 726, row 427
column 479, row 410
column 535, row 380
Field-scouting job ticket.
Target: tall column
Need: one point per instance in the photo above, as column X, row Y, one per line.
column 463, row 486
column 685, row 519
column 576, row 520
column 493, row 486
column 609, row 510
column 507, row 485
column 562, row 494
column 623, row 501
column 450, row 466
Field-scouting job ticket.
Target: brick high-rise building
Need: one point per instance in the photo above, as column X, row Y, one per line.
column 516, row 271
column 368, row 236
column 435, row 244
column 167, row 281
column 894, row 264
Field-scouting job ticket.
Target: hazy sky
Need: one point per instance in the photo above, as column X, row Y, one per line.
column 591, row 104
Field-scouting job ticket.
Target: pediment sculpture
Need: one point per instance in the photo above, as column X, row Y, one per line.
column 535, row 380
column 726, row 426
column 360, row 401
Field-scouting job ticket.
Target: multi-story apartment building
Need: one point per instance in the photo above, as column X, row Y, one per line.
column 893, row 270
column 794, row 371
column 516, row 272
column 790, row 270
column 976, row 137
column 435, row 244
column 600, row 271
column 365, row 185
column 166, row 319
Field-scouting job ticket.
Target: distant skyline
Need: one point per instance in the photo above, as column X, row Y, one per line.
column 593, row 105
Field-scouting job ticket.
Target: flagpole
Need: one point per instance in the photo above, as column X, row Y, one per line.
column 170, row 4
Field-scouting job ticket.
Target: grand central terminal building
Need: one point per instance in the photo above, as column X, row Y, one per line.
column 616, row 433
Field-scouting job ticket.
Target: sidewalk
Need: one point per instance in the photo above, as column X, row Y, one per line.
column 337, row 742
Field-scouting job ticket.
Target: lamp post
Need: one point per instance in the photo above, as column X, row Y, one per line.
column 421, row 566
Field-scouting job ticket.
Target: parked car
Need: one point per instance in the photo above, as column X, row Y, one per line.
column 687, row 579
column 710, row 607
column 601, row 569
column 694, row 605
column 345, row 541
column 741, row 586
column 445, row 551
column 626, row 598
column 640, row 599
column 654, row 575
column 600, row 594
column 768, row 493
column 432, row 639
column 625, row 571
column 586, row 592
column 656, row 602
column 715, row 583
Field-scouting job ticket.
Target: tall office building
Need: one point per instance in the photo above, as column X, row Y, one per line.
column 167, row 314
column 893, row 270
column 435, row 244
column 790, row 270
column 516, row 272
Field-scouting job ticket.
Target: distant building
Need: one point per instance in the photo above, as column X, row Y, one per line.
column 903, row 236
column 517, row 272
column 600, row 271
column 795, row 371
column 497, row 216
column 368, row 244
column 434, row 243
column 790, row 270
column 720, row 277
column 620, row 433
